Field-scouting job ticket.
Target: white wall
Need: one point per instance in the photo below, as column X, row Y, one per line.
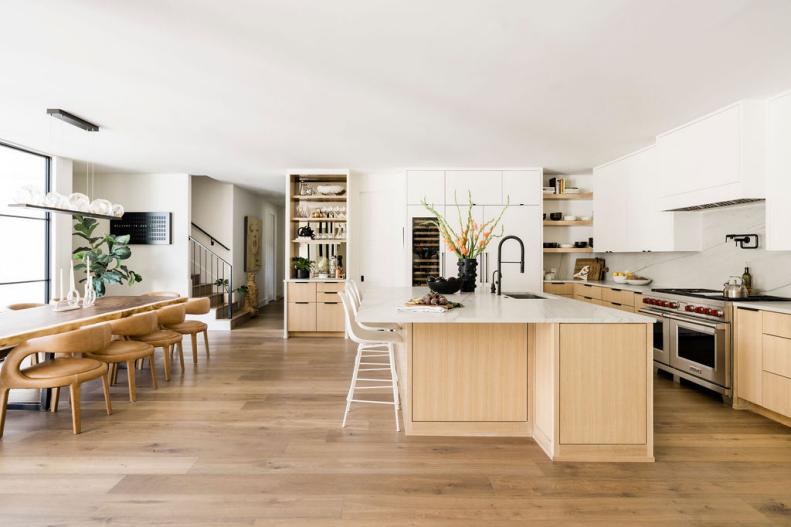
column 711, row 267
column 163, row 267
column 212, row 209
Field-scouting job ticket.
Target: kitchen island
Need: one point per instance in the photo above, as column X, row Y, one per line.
column 575, row 377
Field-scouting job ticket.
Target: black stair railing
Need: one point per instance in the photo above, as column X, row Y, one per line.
column 212, row 239
column 209, row 269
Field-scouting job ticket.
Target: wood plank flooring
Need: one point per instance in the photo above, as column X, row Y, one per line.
column 253, row 438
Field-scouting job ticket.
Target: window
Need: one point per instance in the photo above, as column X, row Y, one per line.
column 24, row 233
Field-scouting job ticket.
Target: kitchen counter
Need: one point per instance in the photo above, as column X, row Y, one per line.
column 380, row 305
column 777, row 307
column 574, row 376
column 607, row 283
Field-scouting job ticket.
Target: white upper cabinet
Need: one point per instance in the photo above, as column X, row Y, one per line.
column 714, row 159
column 525, row 222
column 428, row 184
column 627, row 212
column 486, row 186
column 522, row 187
column 778, row 174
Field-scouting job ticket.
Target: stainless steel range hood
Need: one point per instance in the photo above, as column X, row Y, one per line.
column 717, row 205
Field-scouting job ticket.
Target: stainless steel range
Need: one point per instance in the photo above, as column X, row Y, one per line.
column 692, row 336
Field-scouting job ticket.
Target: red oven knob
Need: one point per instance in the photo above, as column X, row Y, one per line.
column 646, row 300
column 700, row 309
column 689, row 308
column 674, row 305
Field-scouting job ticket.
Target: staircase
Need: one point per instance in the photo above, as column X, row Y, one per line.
column 212, row 277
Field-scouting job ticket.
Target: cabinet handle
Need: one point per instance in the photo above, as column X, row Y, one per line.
column 331, row 303
column 587, row 285
column 748, row 309
column 302, row 302
column 616, row 304
column 486, row 275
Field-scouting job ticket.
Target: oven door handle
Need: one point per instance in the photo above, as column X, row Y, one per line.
column 717, row 326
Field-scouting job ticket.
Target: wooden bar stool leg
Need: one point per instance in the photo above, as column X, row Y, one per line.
column 106, row 389
column 53, row 404
column 194, row 339
column 130, row 379
column 206, row 341
column 74, row 393
column 153, row 367
column 181, row 355
column 166, row 352
column 3, row 404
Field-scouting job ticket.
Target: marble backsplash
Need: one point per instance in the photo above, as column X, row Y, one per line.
column 712, row 266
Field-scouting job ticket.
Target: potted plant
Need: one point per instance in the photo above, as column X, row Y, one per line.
column 106, row 253
column 222, row 284
column 302, row 267
column 241, row 292
column 468, row 240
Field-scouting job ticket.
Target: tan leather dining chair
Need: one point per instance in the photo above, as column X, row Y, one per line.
column 167, row 339
column 63, row 370
column 195, row 306
column 126, row 349
column 161, row 293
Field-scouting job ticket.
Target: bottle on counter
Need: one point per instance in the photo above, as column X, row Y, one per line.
column 747, row 281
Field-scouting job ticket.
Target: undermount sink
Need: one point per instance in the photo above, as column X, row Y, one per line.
column 524, row 296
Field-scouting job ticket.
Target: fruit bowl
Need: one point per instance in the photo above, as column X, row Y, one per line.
column 639, row 281
column 619, row 279
column 444, row 287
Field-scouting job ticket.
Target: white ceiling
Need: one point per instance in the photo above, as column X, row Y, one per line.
column 240, row 90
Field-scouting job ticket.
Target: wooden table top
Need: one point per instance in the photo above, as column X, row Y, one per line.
column 19, row 326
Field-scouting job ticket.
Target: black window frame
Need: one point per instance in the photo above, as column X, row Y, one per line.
column 47, row 219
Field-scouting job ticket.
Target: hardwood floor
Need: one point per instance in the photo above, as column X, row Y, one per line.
column 253, row 438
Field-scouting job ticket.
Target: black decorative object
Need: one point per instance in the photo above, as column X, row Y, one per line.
column 468, row 274
column 442, row 286
column 145, row 228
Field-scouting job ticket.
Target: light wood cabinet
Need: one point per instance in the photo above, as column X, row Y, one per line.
column 302, row 316
column 469, row 372
column 617, row 296
column 329, row 316
column 777, row 393
column 301, row 292
column 559, row 288
column 778, row 324
column 425, row 184
column 777, row 355
column 603, row 384
column 749, row 355
column 587, row 291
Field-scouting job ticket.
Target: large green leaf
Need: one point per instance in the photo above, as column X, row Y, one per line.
column 122, row 252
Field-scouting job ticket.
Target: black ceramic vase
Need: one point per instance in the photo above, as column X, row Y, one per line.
column 468, row 273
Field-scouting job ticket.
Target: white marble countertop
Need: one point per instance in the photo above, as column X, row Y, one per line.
column 777, row 307
column 607, row 283
column 380, row 305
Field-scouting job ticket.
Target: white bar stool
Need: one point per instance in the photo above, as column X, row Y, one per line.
column 356, row 300
column 372, row 345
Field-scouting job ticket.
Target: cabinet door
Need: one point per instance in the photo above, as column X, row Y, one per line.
column 778, row 173
column 609, row 210
column 749, row 355
column 525, row 223
column 329, row 316
column 486, row 186
column 425, row 184
column 522, row 187
column 302, row 316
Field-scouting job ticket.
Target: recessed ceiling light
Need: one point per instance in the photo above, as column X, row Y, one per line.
column 72, row 119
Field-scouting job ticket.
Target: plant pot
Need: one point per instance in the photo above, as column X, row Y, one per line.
column 468, row 274
column 303, row 274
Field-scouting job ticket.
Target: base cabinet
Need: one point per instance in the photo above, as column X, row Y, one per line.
column 302, row 316
column 314, row 307
column 749, row 352
column 329, row 316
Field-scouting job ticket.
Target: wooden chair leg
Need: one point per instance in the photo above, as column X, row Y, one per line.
column 153, row 366
column 53, row 404
column 194, row 339
column 3, row 404
column 181, row 354
column 166, row 353
column 206, row 341
column 108, row 405
column 74, row 393
column 130, row 379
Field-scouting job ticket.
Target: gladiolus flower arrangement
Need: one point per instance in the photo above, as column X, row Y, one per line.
column 470, row 238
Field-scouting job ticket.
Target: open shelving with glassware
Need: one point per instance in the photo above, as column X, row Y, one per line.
column 568, row 231
column 317, row 219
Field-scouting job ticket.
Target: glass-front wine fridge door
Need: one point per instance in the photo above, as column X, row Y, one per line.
column 425, row 250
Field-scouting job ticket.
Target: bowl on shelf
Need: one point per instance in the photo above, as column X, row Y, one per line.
column 639, row 281
column 555, row 216
column 569, row 217
column 330, row 190
column 566, row 246
column 580, row 245
column 443, row 286
column 586, row 218
column 551, row 245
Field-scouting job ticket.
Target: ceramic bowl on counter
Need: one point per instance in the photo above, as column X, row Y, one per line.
column 638, row 281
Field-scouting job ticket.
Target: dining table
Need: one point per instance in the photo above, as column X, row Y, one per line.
column 17, row 327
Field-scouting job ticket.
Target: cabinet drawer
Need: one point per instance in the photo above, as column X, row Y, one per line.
column 588, row 291
column 559, row 288
column 777, row 324
column 777, row 393
column 301, row 292
column 302, row 316
column 617, row 296
column 329, row 316
column 777, row 355
column 328, row 291
column 616, row 305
